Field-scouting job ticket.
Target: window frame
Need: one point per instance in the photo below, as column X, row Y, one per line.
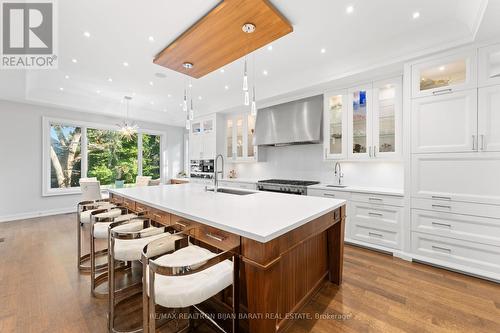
column 46, row 125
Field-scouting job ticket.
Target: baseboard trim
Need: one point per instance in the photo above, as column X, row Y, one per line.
column 30, row 215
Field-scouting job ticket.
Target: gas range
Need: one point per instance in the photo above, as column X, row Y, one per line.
column 285, row 186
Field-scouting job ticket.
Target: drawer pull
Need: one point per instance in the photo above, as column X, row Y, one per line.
column 216, row 237
column 440, row 197
column 373, row 234
column 441, row 249
column 441, row 224
column 442, row 91
column 184, row 225
column 441, row 206
column 375, row 199
column 329, row 195
column 375, row 214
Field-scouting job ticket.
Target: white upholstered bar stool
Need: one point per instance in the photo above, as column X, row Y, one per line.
column 91, row 189
column 187, row 277
column 100, row 221
column 142, row 180
column 84, row 210
column 126, row 242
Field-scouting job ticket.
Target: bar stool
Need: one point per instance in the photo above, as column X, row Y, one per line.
column 187, row 277
column 83, row 211
column 126, row 242
column 100, row 220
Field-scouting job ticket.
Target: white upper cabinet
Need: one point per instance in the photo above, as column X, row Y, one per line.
column 444, row 75
column 335, row 124
column 202, row 138
column 489, row 119
column 445, row 123
column 360, row 111
column 387, row 114
column 489, row 65
column 240, row 131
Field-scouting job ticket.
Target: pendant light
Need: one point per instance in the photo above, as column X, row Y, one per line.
column 127, row 128
column 191, row 111
column 245, row 77
column 184, row 102
column 253, row 108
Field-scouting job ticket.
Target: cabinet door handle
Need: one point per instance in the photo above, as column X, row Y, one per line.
column 374, row 234
column 440, row 197
column 441, row 249
column 473, row 142
column 482, row 141
column 374, row 151
column 370, row 151
column 441, row 224
column 375, row 199
column 184, row 225
column 441, row 206
column 375, row 214
column 216, row 237
column 329, row 195
column 442, row 91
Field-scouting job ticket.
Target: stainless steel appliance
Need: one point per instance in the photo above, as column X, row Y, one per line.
column 285, row 186
column 296, row 122
column 201, row 168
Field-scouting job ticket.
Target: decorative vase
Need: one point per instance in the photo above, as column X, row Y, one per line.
column 119, row 183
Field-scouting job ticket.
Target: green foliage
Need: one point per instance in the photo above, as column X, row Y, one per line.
column 151, row 155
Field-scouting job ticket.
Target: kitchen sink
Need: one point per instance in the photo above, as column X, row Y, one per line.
column 337, row 186
column 231, row 191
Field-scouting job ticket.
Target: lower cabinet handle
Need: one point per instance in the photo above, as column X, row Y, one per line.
column 184, row 225
column 216, row 237
column 441, row 206
column 376, row 199
column 375, row 214
column 371, row 234
column 439, row 248
column 442, row 224
column 370, row 151
column 442, row 91
column 440, row 197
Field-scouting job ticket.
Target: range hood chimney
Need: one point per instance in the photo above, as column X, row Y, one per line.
column 297, row 122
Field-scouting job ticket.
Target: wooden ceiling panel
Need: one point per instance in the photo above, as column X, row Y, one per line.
column 217, row 39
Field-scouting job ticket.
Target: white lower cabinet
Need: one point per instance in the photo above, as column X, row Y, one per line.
column 470, row 257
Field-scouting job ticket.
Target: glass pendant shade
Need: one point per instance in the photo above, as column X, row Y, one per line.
column 245, row 77
column 253, row 109
column 128, row 128
column 247, row 98
column 188, row 124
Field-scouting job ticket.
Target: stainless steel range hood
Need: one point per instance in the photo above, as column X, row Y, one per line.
column 297, row 122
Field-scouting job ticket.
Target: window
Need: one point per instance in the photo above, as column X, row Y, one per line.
column 75, row 150
column 65, row 156
column 151, row 155
column 111, row 156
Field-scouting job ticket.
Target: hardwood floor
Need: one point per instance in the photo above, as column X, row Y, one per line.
column 41, row 290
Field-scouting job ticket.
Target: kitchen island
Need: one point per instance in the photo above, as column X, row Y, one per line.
column 289, row 245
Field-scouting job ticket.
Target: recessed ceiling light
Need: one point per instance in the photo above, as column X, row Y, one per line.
column 86, row 34
column 180, row 104
column 151, row 39
column 323, row 50
column 169, row 95
column 110, row 79
column 264, row 72
column 74, row 60
column 190, row 85
column 222, row 70
column 152, row 103
column 133, row 94
column 200, row 98
column 151, row 83
column 270, row 48
column 61, row 89
column 98, row 91
column 416, row 15
column 441, row 68
column 226, row 87
column 187, row 65
column 125, row 64
column 349, row 9
column 66, row 77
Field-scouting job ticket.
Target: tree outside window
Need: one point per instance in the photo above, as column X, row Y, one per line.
column 151, row 155
column 65, row 156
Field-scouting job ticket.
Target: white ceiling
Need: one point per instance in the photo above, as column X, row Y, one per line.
column 375, row 33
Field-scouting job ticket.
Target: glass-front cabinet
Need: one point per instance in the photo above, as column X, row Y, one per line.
column 387, row 107
column 335, row 124
column 364, row 122
column 360, row 111
column 444, row 75
column 240, row 130
column 489, row 65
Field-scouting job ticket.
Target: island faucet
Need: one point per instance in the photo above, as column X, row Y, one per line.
column 216, row 172
column 338, row 173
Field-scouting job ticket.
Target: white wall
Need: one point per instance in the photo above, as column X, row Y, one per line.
column 21, row 158
column 306, row 162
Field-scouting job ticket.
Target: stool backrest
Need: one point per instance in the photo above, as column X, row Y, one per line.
column 154, row 182
column 142, row 180
column 91, row 190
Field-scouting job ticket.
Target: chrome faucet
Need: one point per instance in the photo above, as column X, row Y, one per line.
column 216, row 172
column 338, row 172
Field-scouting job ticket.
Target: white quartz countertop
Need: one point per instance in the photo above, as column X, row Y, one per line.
column 360, row 189
column 241, row 180
column 261, row 216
